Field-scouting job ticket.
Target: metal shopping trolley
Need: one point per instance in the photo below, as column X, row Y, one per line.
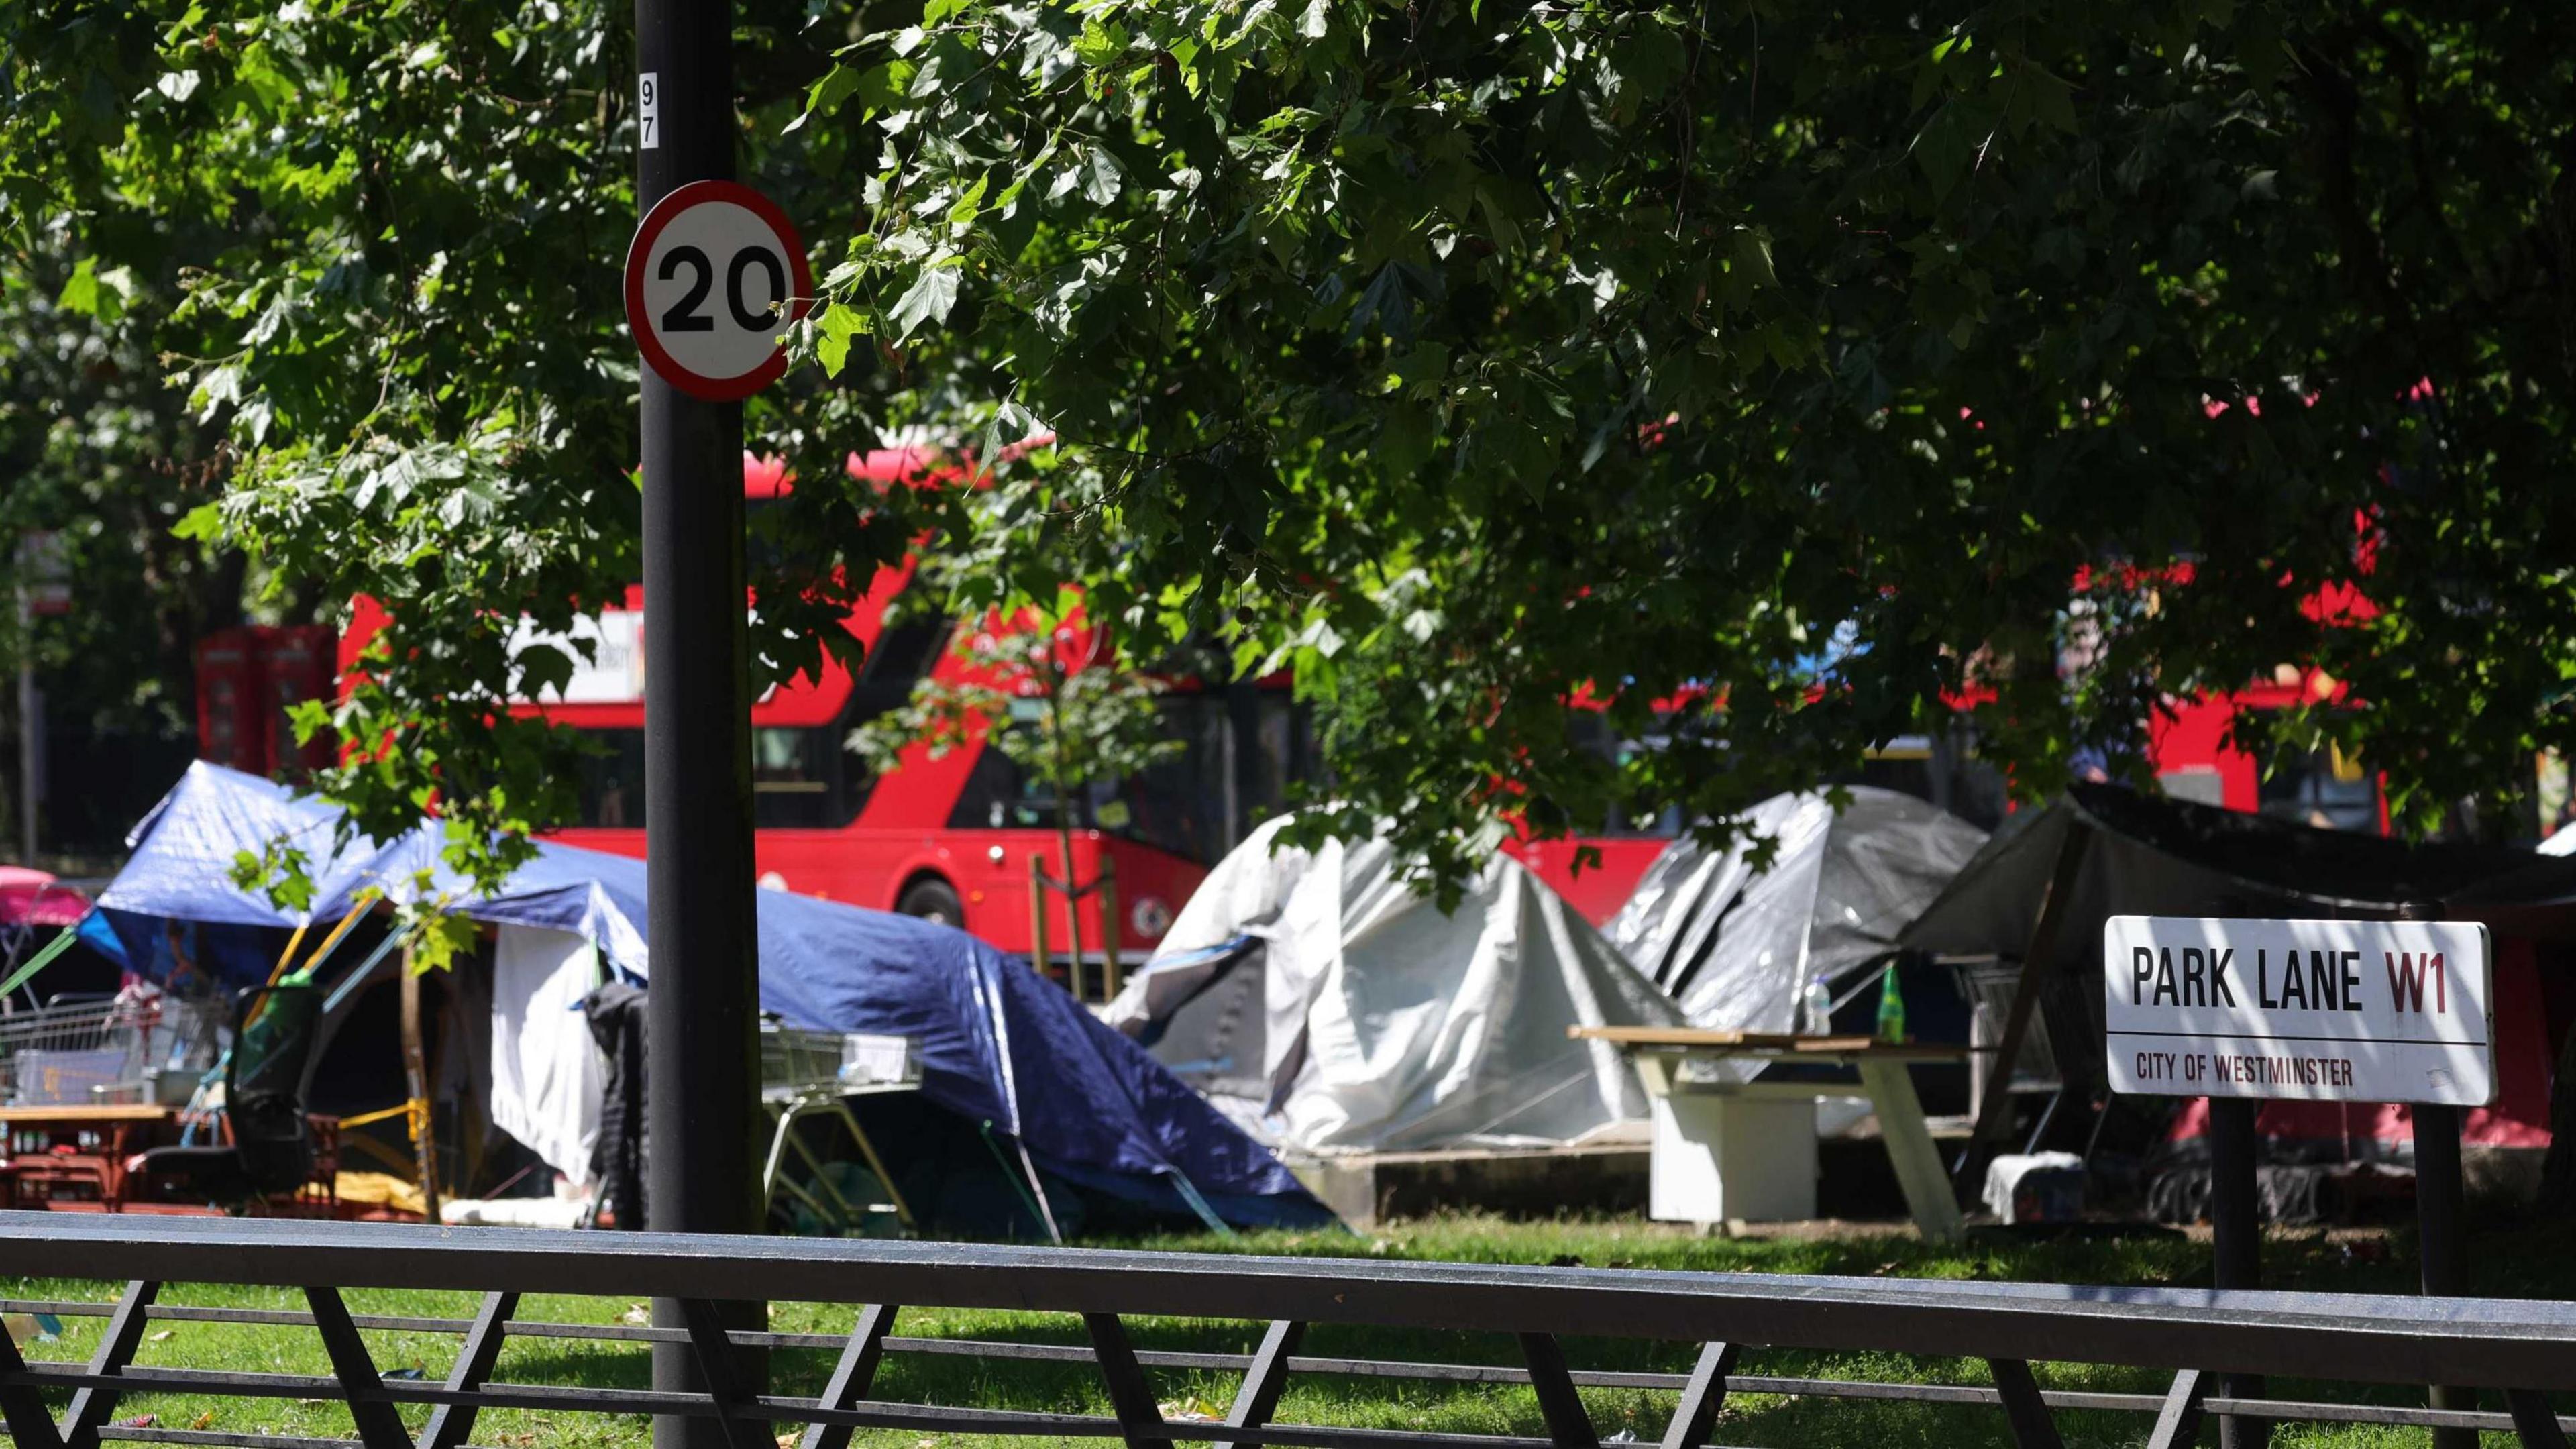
column 813, row 1074
column 78, row 1050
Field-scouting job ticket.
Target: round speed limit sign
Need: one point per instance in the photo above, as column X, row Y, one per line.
column 715, row 277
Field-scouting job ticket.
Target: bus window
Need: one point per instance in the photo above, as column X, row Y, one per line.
column 1197, row 805
column 1271, row 755
column 1589, row 730
column 796, row 780
column 612, row 785
column 2325, row 788
column 894, row 663
column 909, row 648
column 799, row 780
column 999, row 795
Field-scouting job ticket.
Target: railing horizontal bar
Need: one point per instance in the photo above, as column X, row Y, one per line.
column 928, row 1417
column 541, row 1396
column 136, row 1435
column 1299, row 1436
column 2277, row 1410
column 2353, row 1338
column 2289, row 1411
column 222, row 1382
column 1028, row 1425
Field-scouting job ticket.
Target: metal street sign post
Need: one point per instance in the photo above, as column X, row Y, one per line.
column 2339, row 1011
column 712, row 280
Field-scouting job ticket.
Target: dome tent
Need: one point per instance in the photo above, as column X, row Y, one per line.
column 1327, row 1006
column 1735, row 946
column 1003, row 1052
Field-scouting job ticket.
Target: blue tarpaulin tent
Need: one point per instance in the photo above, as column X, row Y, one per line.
column 998, row 1045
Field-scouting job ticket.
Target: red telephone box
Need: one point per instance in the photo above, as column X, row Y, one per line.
column 298, row 663
column 230, row 689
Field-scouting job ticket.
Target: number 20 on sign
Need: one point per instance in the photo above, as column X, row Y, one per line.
column 714, row 279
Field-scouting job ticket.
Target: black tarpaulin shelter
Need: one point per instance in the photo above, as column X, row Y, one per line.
column 2038, row 895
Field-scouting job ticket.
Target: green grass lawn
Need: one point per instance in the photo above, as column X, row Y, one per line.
column 2520, row 1262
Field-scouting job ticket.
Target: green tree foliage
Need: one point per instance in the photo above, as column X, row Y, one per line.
column 1770, row 373
column 378, row 244
column 95, row 452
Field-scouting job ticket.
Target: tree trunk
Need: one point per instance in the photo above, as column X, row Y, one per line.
column 1064, row 830
column 1072, row 901
column 424, row 1143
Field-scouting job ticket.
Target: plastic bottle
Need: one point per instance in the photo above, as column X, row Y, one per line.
column 1817, row 1017
column 1891, row 1008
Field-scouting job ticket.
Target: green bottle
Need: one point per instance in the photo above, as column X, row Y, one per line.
column 1891, row 1008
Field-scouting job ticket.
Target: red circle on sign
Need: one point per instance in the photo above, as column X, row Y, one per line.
column 639, row 320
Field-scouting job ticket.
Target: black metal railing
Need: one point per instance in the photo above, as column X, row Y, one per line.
column 2521, row 1349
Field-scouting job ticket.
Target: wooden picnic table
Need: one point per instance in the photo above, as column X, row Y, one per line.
column 76, row 1152
column 1746, row 1150
column 87, row 1112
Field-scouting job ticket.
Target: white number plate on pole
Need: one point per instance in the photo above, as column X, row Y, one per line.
column 2337, row 1011
column 715, row 277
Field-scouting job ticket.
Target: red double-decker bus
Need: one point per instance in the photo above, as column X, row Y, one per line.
column 949, row 837
column 953, row 837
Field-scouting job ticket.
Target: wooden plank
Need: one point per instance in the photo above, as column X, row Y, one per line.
column 1568, row 1425
column 2027, row 1412
column 102, row 1112
column 1696, row 1414
column 854, row 1375
column 1131, row 1398
column 379, row 1426
column 1258, row 1399
column 116, row 1346
column 1886, row 1051
column 2178, row 1422
column 449, row 1424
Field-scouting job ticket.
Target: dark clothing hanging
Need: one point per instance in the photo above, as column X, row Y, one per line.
column 616, row 1016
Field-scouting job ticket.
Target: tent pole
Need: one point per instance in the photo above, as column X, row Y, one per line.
column 1994, row 1114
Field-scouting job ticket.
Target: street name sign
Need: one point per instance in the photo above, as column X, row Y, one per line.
column 714, row 279
column 2335, row 1011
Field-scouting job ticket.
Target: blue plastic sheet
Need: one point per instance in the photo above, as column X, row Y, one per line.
column 998, row 1044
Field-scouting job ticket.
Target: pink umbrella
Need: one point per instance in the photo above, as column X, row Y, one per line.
column 35, row 898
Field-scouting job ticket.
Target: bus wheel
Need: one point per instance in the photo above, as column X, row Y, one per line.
column 932, row 899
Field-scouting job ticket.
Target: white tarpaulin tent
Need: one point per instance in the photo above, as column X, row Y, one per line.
column 1736, row 948
column 1322, row 1003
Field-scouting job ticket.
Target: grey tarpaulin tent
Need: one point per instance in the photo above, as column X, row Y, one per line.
column 1736, row 947
column 1323, row 1004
